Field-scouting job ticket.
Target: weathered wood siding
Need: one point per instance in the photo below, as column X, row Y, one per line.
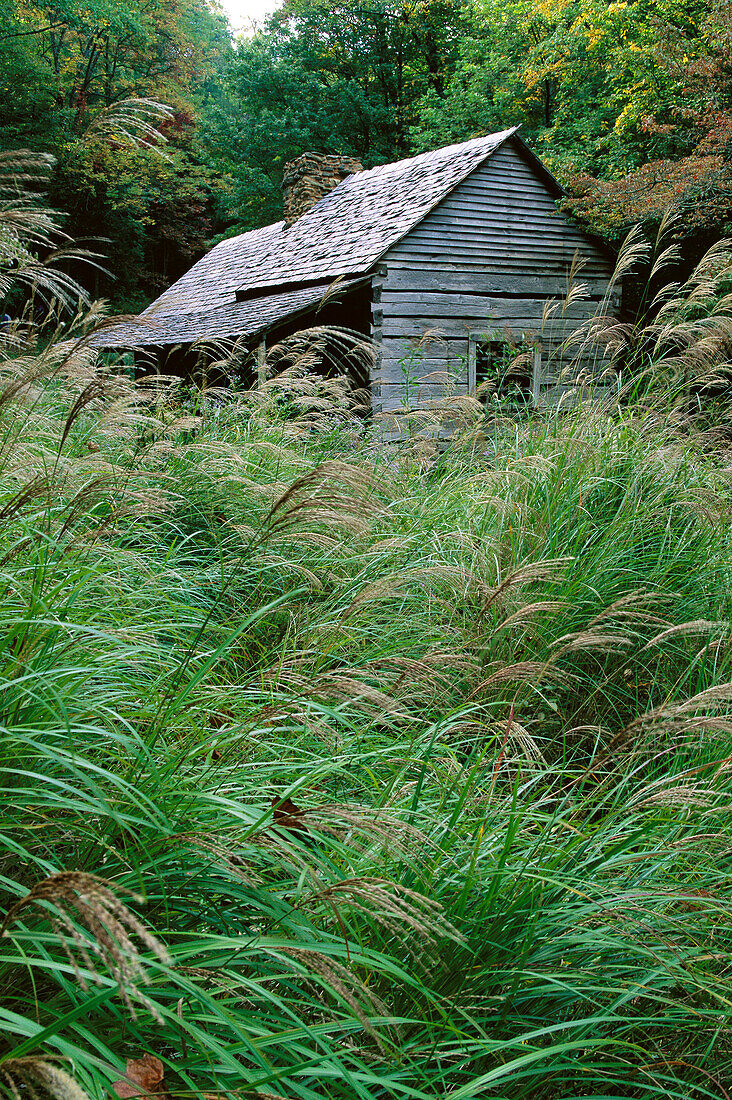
column 486, row 259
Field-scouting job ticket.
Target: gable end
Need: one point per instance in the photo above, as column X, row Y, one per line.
column 486, row 259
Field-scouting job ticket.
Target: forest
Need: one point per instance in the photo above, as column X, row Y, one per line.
column 335, row 767
column 628, row 103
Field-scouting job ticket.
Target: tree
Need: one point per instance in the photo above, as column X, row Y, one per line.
column 92, row 54
column 596, row 86
column 343, row 77
column 688, row 162
column 72, row 62
column 628, row 102
column 154, row 212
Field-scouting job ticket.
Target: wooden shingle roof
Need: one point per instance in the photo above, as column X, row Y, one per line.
column 225, row 320
column 360, row 219
column 247, row 283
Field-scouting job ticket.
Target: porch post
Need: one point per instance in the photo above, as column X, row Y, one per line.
column 260, row 355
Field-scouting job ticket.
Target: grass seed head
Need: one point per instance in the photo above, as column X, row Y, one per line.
column 36, row 1077
column 108, row 922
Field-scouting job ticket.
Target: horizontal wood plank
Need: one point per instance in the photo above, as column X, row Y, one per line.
column 502, row 225
column 409, row 327
column 426, row 303
column 516, row 220
column 442, row 260
column 398, row 394
column 458, row 279
column 531, row 246
column 446, row 372
column 505, row 193
column 432, row 254
column 431, row 313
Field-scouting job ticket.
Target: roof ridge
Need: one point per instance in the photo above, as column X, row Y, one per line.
column 280, row 223
column 499, row 137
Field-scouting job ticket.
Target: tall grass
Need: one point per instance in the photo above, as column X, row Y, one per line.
column 332, row 771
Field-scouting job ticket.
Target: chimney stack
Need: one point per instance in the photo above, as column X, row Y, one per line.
column 310, row 177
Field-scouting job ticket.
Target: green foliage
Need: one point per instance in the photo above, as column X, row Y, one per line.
column 154, row 210
column 94, row 54
column 599, row 87
column 62, row 68
column 420, row 765
column 627, row 102
column 636, row 93
column 603, row 92
column 342, row 78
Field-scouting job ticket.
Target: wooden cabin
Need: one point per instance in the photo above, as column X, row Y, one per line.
column 447, row 260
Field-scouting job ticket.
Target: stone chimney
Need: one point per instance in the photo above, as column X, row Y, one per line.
column 310, row 177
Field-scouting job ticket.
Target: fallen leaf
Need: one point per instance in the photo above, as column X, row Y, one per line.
column 143, row 1076
column 289, row 816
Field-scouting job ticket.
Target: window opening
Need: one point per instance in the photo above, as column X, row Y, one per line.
column 504, row 370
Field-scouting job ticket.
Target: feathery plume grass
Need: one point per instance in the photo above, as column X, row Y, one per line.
column 74, row 895
column 422, row 752
column 33, row 1076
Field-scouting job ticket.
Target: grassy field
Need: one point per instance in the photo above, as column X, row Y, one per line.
column 331, row 770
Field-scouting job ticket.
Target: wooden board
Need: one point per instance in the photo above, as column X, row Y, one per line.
column 504, row 212
column 482, row 263
column 488, row 259
column 393, row 395
column 520, row 321
column 427, row 305
column 462, row 280
column 423, row 372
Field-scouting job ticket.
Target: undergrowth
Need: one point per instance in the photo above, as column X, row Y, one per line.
column 337, row 770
